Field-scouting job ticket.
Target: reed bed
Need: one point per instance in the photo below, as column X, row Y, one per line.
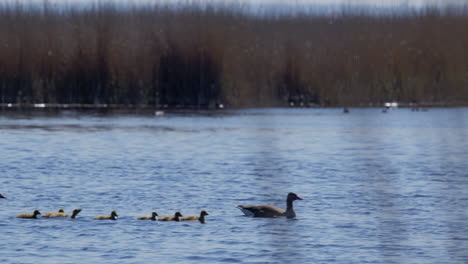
column 202, row 55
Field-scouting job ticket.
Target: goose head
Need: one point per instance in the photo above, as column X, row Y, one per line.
column 203, row 213
column 293, row 196
column 114, row 214
column 178, row 214
column 75, row 212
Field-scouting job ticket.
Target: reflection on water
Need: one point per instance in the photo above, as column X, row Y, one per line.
column 378, row 188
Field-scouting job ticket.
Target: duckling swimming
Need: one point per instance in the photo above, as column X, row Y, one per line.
column 54, row 214
column 200, row 218
column 112, row 216
column 149, row 217
column 176, row 217
column 61, row 213
column 34, row 215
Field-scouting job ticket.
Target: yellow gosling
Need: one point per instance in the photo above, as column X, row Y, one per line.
column 29, row 216
column 112, row 216
column 149, row 217
column 75, row 212
column 200, row 218
column 60, row 213
column 175, row 217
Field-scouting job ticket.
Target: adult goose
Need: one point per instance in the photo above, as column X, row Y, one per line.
column 200, row 218
column 271, row 211
column 2, row 196
column 34, row 215
column 176, row 217
column 112, row 216
column 153, row 216
column 61, row 214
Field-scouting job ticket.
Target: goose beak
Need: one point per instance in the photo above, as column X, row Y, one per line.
column 298, row 198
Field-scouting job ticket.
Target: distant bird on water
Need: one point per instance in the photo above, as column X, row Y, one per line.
column 200, row 218
column 2, row 196
column 112, row 216
column 53, row 214
column 176, row 217
column 34, row 215
column 152, row 217
column 61, row 213
column 270, row 211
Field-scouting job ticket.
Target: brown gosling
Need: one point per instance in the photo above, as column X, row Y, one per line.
column 60, row 213
column 75, row 212
column 112, row 216
column 29, row 216
column 149, row 217
column 175, row 217
column 200, row 218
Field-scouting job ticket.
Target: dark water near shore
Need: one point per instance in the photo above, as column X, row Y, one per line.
column 377, row 188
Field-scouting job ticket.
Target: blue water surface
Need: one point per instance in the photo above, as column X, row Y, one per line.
column 377, row 188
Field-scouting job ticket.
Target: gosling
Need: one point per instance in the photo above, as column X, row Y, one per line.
column 149, row 217
column 176, row 217
column 112, row 216
column 61, row 214
column 34, row 215
column 54, row 214
column 200, row 218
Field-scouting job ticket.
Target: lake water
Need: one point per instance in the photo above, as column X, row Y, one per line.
column 377, row 188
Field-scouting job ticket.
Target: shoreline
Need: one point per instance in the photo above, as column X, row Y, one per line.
column 147, row 107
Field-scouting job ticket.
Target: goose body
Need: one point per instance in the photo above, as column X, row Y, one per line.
column 153, row 216
column 34, row 215
column 176, row 217
column 112, row 216
column 270, row 211
column 2, row 196
column 61, row 214
column 200, row 218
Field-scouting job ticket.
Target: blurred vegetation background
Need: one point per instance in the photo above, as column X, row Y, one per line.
column 201, row 55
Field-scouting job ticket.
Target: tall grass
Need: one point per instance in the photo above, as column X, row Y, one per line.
column 194, row 55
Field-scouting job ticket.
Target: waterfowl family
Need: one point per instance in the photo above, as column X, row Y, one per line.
column 176, row 217
column 112, row 216
column 34, row 215
column 149, row 217
column 2, row 196
column 61, row 213
column 200, row 218
column 271, row 211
